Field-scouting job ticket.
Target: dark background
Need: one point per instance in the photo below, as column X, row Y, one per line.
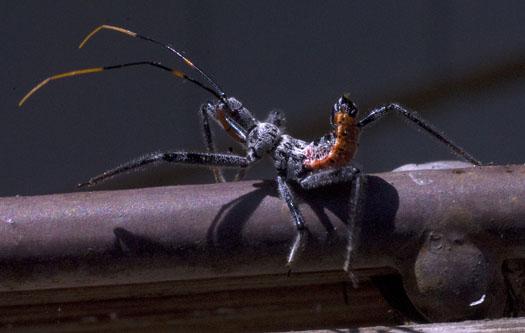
column 461, row 64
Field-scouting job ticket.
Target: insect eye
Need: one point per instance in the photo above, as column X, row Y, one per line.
column 345, row 104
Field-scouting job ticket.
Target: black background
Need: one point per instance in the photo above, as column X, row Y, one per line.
column 461, row 64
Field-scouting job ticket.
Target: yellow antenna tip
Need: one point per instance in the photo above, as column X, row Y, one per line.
column 59, row 76
column 32, row 91
column 187, row 61
column 106, row 27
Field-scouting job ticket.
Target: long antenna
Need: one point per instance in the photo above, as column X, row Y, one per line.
column 84, row 71
column 169, row 47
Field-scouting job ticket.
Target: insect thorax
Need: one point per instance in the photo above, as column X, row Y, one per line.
column 262, row 139
column 289, row 156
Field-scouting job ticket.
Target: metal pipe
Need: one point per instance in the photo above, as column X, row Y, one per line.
column 237, row 235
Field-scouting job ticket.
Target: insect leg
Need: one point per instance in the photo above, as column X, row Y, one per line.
column 328, row 177
column 354, row 224
column 209, row 110
column 208, row 140
column 199, row 159
column 412, row 116
column 345, row 174
column 297, row 217
column 239, row 175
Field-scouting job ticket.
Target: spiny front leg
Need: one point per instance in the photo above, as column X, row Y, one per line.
column 297, row 217
column 178, row 157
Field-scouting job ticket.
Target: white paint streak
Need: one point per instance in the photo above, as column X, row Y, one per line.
column 479, row 301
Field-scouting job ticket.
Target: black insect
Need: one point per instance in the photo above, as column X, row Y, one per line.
column 306, row 164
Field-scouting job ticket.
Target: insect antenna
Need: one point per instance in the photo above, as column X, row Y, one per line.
column 84, row 71
column 215, row 86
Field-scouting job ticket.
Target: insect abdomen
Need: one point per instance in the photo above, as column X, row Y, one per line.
column 345, row 144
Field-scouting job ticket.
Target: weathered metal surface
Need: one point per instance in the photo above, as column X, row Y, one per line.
column 230, row 310
column 507, row 325
column 160, row 234
column 449, row 233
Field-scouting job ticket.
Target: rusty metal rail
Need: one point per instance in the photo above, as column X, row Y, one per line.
column 212, row 256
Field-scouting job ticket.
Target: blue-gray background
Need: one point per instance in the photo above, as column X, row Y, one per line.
column 461, row 64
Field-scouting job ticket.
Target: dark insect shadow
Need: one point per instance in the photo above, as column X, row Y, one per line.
column 332, row 198
column 225, row 230
column 226, row 235
column 380, row 206
column 127, row 242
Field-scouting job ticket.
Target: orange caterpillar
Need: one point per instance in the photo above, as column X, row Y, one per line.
column 344, row 146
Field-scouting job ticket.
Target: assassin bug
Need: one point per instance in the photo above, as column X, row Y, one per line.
column 305, row 164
